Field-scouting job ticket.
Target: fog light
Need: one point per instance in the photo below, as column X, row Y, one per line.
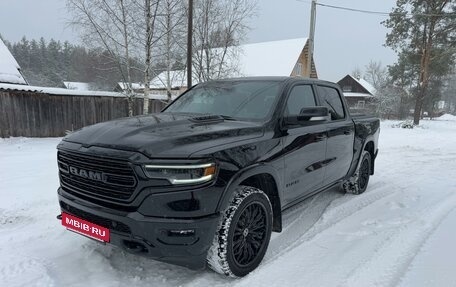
column 181, row 233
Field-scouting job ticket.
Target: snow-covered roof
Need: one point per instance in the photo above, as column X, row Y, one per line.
column 357, row 95
column 57, row 91
column 134, row 86
column 79, row 86
column 273, row 58
column 177, row 79
column 64, row 92
column 368, row 86
column 9, row 68
column 365, row 84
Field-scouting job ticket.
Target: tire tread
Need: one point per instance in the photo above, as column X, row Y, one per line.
column 217, row 254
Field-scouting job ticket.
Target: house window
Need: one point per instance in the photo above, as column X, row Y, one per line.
column 298, row 69
column 361, row 104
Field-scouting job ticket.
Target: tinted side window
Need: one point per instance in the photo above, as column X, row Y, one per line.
column 330, row 98
column 300, row 97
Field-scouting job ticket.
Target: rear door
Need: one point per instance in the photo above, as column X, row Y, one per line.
column 304, row 147
column 340, row 132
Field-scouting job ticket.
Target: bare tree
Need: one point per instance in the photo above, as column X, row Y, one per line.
column 152, row 31
column 172, row 26
column 150, row 23
column 387, row 96
column 220, row 25
column 376, row 74
column 144, row 28
column 357, row 73
column 107, row 24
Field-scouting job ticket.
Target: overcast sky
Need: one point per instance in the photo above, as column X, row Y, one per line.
column 344, row 40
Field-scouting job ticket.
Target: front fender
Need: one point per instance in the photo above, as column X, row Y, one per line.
column 242, row 175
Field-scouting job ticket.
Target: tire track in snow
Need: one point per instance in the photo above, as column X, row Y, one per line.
column 332, row 216
column 390, row 260
column 293, row 234
column 298, row 220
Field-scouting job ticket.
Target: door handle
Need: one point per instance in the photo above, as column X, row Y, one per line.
column 320, row 137
column 347, row 132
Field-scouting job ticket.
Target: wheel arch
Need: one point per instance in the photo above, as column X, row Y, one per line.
column 370, row 147
column 361, row 145
column 264, row 178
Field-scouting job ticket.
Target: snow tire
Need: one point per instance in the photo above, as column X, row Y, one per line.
column 221, row 256
column 357, row 184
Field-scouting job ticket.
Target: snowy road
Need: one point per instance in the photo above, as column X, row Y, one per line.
column 401, row 232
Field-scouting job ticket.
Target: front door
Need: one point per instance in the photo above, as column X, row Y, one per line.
column 304, row 148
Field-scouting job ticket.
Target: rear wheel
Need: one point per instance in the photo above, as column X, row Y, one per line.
column 357, row 184
column 243, row 234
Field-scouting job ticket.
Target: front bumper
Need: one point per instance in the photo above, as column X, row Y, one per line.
column 178, row 241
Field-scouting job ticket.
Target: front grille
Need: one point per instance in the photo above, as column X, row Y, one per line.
column 97, row 177
column 110, row 224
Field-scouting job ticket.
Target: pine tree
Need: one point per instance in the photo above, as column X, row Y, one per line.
column 50, row 63
column 424, row 30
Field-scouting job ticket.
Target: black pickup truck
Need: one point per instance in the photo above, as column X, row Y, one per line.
column 205, row 181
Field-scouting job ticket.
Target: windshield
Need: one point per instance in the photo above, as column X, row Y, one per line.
column 251, row 100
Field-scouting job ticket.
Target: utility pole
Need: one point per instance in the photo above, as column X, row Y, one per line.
column 310, row 52
column 189, row 43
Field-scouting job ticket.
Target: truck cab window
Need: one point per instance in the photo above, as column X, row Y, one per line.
column 330, row 98
column 300, row 97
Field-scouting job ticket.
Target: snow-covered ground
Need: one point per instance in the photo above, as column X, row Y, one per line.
column 401, row 232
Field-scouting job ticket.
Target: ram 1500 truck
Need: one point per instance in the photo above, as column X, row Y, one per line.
column 205, row 182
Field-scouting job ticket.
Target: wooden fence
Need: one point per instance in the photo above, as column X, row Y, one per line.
column 35, row 114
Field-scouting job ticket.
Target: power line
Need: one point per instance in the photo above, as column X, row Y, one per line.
column 354, row 10
column 381, row 13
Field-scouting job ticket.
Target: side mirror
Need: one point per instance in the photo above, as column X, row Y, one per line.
column 314, row 114
column 308, row 115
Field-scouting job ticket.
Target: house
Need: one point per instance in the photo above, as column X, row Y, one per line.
column 274, row 58
column 122, row 87
column 177, row 80
column 78, row 86
column 357, row 91
column 10, row 72
column 154, row 94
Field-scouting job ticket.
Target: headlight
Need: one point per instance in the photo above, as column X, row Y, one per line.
column 182, row 174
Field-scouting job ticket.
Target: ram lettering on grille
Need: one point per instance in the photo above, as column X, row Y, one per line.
column 86, row 173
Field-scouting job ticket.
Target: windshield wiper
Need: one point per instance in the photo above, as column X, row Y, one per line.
column 229, row 118
column 212, row 118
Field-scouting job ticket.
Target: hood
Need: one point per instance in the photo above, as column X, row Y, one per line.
column 166, row 135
